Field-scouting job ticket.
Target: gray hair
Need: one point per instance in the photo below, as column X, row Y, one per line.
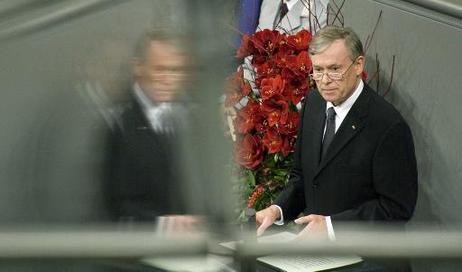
column 327, row 35
column 177, row 40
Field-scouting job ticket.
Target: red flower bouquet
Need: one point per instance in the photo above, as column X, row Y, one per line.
column 268, row 90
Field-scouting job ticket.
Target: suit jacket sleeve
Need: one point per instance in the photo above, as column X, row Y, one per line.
column 394, row 174
column 292, row 199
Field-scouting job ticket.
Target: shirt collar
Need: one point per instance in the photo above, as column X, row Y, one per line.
column 145, row 102
column 290, row 3
column 343, row 109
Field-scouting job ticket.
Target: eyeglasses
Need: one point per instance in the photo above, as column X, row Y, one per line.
column 332, row 75
column 178, row 74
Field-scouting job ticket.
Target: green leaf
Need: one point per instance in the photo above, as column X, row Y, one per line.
column 281, row 172
column 279, row 178
column 276, row 157
column 251, row 177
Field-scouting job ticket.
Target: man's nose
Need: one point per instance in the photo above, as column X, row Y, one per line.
column 325, row 79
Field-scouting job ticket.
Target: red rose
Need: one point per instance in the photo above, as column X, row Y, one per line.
column 276, row 110
column 282, row 58
column 267, row 41
column 267, row 69
column 249, row 152
column 236, row 88
column 246, row 48
column 261, row 124
column 291, row 126
column 258, row 60
column 272, row 141
column 296, row 89
column 247, row 117
column 288, row 145
column 301, row 64
column 271, row 86
column 300, row 40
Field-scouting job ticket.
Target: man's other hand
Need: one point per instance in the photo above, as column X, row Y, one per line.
column 266, row 218
column 179, row 224
column 316, row 227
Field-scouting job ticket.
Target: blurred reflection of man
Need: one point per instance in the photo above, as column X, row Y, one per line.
column 144, row 172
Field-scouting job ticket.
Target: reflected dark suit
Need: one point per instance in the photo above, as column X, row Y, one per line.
column 369, row 171
column 142, row 177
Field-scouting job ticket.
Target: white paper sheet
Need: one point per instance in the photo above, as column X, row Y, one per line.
column 209, row 263
column 292, row 263
column 304, row 263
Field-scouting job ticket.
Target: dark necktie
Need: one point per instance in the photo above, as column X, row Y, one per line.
column 330, row 130
column 283, row 9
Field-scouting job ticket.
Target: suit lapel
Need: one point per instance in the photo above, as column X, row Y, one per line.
column 313, row 123
column 353, row 123
column 317, row 123
column 144, row 131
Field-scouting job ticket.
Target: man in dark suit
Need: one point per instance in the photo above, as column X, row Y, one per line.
column 143, row 177
column 354, row 157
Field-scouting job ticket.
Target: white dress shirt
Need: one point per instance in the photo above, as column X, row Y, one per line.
column 163, row 117
column 342, row 110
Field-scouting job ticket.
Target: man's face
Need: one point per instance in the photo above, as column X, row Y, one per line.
column 163, row 71
column 336, row 58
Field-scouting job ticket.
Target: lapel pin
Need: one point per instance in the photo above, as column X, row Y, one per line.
column 353, row 126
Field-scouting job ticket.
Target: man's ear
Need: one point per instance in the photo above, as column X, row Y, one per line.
column 137, row 67
column 360, row 62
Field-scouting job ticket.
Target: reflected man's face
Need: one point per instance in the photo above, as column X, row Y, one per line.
column 163, row 71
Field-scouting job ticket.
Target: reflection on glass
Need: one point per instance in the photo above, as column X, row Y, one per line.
column 144, row 174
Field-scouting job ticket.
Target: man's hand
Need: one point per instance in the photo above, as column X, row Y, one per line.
column 174, row 224
column 266, row 218
column 316, row 226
